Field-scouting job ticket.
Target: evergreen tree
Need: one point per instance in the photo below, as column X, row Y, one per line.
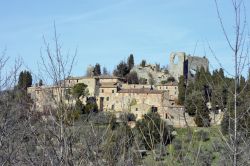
column 181, row 88
column 190, row 103
column 130, row 61
column 143, row 63
column 104, row 71
column 24, row 80
column 40, row 83
column 202, row 118
column 153, row 130
column 121, row 70
column 97, row 70
column 79, row 90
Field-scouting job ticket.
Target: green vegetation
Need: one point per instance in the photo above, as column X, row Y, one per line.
column 130, row 62
column 132, row 78
column 192, row 146
column 153, row 130
column 97, row 70
column 79, row 90
column 143, row 63
column 24, row 80
column 121, row 70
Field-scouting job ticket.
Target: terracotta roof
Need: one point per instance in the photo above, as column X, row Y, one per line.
column 107, row 77
column 142, row 90
column 169, row 84
column 77, row 78
column 108, row 85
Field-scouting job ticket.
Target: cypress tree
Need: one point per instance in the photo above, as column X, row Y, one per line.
column 131, row 62
column 97, row 70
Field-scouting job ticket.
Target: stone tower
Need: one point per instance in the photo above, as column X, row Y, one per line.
column 187, row 65
column 176, row 65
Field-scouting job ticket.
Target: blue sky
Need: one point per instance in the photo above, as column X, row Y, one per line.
column 107, row 31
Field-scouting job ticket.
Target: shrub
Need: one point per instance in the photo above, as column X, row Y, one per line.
column 105, row 118
column 127, row 117
column 203, row 135
column 154, row 130
column 205, row 158
column 177, row 145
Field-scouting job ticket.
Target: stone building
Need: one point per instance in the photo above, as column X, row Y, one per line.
column 186, row 65
column 114, row 95
column 172, row 89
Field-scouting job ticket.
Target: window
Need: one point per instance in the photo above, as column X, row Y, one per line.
column 107, row 98
column 102, row 90
column 113, row 107
column 154, row 109
column 175, row 87
column 77, row 80
column 113, row 91
column 136, row 109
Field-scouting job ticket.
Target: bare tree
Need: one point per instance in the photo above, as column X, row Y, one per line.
column 239, row 47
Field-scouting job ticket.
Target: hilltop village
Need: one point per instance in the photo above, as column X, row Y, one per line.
column 157, row 92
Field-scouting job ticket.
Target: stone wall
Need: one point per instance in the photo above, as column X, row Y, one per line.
column 187, row 65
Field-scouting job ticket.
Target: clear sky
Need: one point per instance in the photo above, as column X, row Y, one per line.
column 107, row 31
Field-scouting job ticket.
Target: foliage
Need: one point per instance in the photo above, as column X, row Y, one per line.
column 202, row 118
column 105, row 118
column 203, row 135
column 118, row 144
column 79, row 90
column 181, row 89
column 190, row 103
column 142, row 81
column 90, row 107
column 104, row 71
column 79, row 106
column 127, row 117
column 72, row 116
column 97, row 70
column 24, row 80
column 132, row 78
column 171, row 79
column 40, row 83
column 143, row 63
column 154, row 130
column 130, row 62
column 121, row 69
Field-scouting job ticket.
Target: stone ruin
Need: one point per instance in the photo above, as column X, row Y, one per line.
column 180, row 64
column 186, row 65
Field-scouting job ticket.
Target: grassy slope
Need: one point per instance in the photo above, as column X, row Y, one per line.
column 191, row 145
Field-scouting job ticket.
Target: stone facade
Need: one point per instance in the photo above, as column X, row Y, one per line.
column 172, row 89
